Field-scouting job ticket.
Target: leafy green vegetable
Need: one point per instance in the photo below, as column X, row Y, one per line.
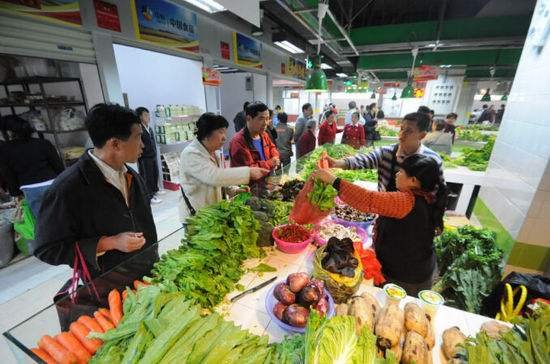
column 263, row 268
column 207, row 265
column 289, row 351
column 322, row 195
column 472, row 135
column 308, row 163
column 470, row 265
column 387, row 131
column 353, row 175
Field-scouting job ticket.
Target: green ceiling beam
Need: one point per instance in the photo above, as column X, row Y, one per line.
column 392, row 76
column 485, row 57
column 466, row 28
column 499, row 73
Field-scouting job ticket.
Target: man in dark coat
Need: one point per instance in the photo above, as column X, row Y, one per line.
column 147, row 162
column 240, row 118
column 99, row 204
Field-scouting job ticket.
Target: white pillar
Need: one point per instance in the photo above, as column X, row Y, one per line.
column 107, row 68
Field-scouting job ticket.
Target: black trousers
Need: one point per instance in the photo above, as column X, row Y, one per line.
column 148, row 169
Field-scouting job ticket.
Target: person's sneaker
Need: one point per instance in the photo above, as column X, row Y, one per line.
column 161, row 192
column 156, row 200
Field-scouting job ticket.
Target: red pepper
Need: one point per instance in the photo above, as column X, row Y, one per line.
column 292, row 233
column 372, row 269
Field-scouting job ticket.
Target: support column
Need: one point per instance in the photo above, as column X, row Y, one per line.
column 107, row 68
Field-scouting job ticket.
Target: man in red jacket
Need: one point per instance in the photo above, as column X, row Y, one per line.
column 252, row 146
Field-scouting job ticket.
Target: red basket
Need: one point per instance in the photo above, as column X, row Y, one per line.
column 290, row 248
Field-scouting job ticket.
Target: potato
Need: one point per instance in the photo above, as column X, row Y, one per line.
column 451, row 338
column 494, row 329
column 415, row 349
column 389, row 326
column 364, row 313
column 415, row 319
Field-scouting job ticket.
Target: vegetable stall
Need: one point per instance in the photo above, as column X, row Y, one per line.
column 227, row 295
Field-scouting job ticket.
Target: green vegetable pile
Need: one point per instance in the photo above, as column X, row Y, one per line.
column 353, row 175
column 470, row 266
column 336, row 151
column 481, row 127
column 322, row 195
column 289, row 351
column 386, row 131
column 208, row 263
column 528, row 342
column 473, row 159
column 472, row 135
column 166, row 328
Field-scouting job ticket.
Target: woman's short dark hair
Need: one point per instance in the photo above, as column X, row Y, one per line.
column 439, row 124
column 283, row 117
column 140, row 110
column 424, row 109
column 327, row 114
column 372, row 105
column 306, row 106
column 106, row 121
column 20, row 127
column 255, row 108
column 452, row 116
column 421, row 119
column 426, row 170
column 245, row 105
column 208, row 123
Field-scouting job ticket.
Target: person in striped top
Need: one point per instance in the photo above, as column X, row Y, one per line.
column 387, row 159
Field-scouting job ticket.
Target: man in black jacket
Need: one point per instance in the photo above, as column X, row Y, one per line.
column 240, row 118
column 147, row 162
column 99, row 203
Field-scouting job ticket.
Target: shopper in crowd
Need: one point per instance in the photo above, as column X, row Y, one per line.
column 386, row 159
column 202, row 174
column 271, row 128
column 500, row 114
column 147, row 163
column 380, row 114
column 277, row 111
column 363, row 112
column 424, row 109
column 438, row 140
column 488, row 115
column 450, row 127
column 431, row 114
column 285, row 134
column 28, row 165
column 99, row 207
column 328, row 128
column 252, row 146
column 240, row 118
column 354, row 134
column 308, row 139
column 301, row 122
column 370, row 124
column 407, row 220
column 352, row 109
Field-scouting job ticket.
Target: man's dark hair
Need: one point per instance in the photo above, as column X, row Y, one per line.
column 278, row 107
column 253, row 109
column 421, row 119
column 432, row 112
column 424, row 109
column 283, row 117
column 485, row 106
column 208, row 123
column 20, row 127
column 452, row 116
column 140, row 110
column 245, row 105
column 352, row 105
column 306, row 106
column 372, row 105
column 106, row 121
column 439, row 124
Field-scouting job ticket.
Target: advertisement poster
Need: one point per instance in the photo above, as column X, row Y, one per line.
column 296, row 69
column 247, row 51
column 62, row 12
column 225, row 50
column 166, row 24
column 425, row 73
column 106, row 15
column 211, row 77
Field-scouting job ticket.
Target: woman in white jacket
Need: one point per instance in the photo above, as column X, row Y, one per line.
column 202, row 175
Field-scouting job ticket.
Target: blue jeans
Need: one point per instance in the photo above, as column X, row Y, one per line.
column 33, row 195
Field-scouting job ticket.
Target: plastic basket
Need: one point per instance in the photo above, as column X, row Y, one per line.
column 290, row 248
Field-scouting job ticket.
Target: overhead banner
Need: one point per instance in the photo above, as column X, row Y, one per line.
column 247, row 51
column 425, row 73
column 106, row 15
column 62, row 12
column 211, row 77
column 296, row 69
column 166, row 24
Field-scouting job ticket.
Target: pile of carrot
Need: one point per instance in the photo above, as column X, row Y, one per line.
column 73, row 346
column 323, row 160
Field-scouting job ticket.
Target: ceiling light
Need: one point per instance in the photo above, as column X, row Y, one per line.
column 210, row 6
column 504, row 97
column 373, row 96
column 316, row 80
column 487, row 96
column 289, row 47
column 326, row 66
column 394, row 97
column 341, row 75
column 446, row 65
column 431, row 45
column 343, row 62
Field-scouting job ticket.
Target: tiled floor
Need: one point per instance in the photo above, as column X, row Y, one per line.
column 29, row 285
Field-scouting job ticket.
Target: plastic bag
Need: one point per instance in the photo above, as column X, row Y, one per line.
column 537, row 286
column 24, row 226
column 304, row 210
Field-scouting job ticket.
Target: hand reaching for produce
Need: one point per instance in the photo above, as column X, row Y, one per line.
column 258, row 173
column 324, row 175
column 126, row 242
column 275, row 161
column 336, row 163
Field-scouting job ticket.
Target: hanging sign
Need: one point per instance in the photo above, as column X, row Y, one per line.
column 62, row 12
column 106, row 15
column 166, row 24
column 425, row 73
column 211, row 77
column 296, row 69
column 224, row 50
column 247, row 51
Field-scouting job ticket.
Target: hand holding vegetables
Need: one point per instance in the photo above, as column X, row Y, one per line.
column 126, row 242
column 324, row 175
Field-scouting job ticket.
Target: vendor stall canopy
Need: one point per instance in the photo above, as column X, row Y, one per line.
column 375, row 37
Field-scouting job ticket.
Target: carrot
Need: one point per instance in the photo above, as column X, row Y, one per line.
column 90, row 323
column 80, row 332
column 107, row 314
column 56, row 350
column 103, row 321
column 115, row 306
column 43, row 355
column 71, row 343
column 138, row 283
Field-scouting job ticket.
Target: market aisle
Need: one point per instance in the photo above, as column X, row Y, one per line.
column 28, row 286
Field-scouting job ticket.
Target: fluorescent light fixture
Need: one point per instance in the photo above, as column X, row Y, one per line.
column 289, row 47
column 210, row 6
column 341, row 75
column 325, row 66
column 343, row 62
column 446, row 65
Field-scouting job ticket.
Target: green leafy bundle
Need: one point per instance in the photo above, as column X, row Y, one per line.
column 289, row 351
column 387, row 131
column 470, row 266
column 208, row 263
column 322, row 195
column 336, row 151
column 472, row 135
column 478, row 159
column 165, row 328
column 353, row 175
column 528, row 342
